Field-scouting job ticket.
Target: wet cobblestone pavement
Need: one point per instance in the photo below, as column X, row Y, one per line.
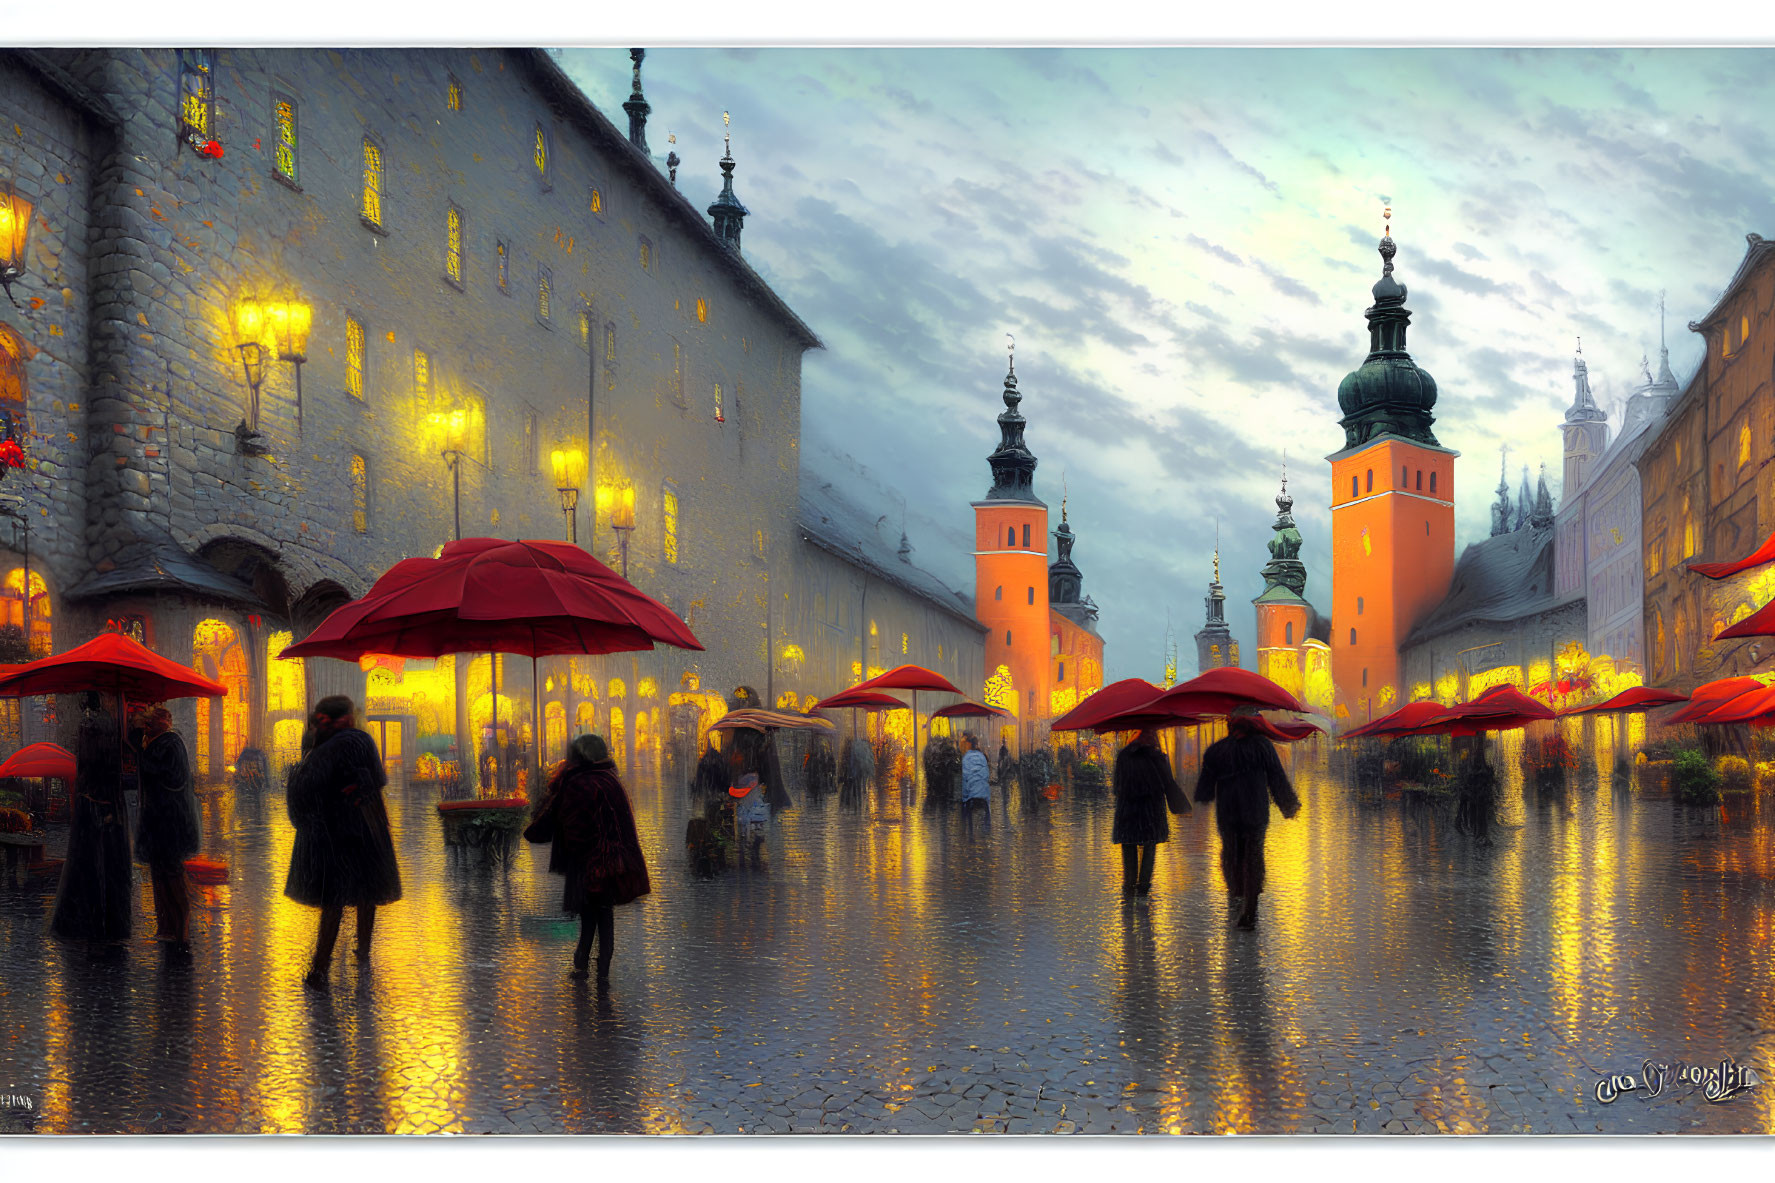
column 889, row 972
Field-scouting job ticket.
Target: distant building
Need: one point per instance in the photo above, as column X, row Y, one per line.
column 1292, row 646
column 1215, row 646
column 1708, row 490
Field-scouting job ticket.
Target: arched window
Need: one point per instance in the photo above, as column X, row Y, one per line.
column 222, row 723
column 1288, row 633
column 1404, row 474
column 1032, row 595
column 1352, row 636
column 1007, row 637
column 1420, row 480
column 1370, row 487
column 1355, row 490
column 1026, row 536
column 14, row 423
column 1432, row 481
column 998, row 593
column 14, row 612
column 1010, row 536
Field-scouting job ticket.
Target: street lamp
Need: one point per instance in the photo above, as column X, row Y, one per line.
column 15, row 229
column 290, row 321
column 569, row 466
column 451, row 429
column 622, row 520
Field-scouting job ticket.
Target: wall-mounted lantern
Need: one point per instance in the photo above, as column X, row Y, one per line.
column 289, row 321
column 15, row 232
column 451, row 429
column 569, row 465
column 249, row 334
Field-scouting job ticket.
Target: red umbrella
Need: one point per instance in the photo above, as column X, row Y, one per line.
column 1219, row 690
column 1502, row 708
column 40, row 759
column 1283, row 730
column 1753, row 706
column 763, row 720
column 1763, row 554
column 1634, row 698
column 970, row 710
column 913, row 678
column 1710, row 696
column 488, row 595
column 868, row 700
column 1117, row 698
column 110, row 662
column 1411, row 719
column 1760, row 623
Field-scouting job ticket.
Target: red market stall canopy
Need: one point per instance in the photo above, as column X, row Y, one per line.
column 1411, row 719
column 1502, row 708
column 40, row 760
column 867, row 700
column 1763, row 554
column 1634, row 698
column 1710, row 696
column 111, row 663
column 970, row 710
column 763, row 720
column 1760, row 623
column 1220, row 690
column 1117, row 698
column 1753, row 706
column 910, row 677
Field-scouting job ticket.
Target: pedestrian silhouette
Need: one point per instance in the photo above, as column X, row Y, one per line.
column 92, row 901
column 1144, row 790
column 858, row 773
column 1240, row 773
column 168, row 829
column 343, row 856
column 976, row 787
column 595, row 849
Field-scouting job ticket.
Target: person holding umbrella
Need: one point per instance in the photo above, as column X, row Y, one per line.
column 1144, row 788
column 1241, row 773
column 595, row 848
column 92, row 901
column 343, row 855
column 168, row 829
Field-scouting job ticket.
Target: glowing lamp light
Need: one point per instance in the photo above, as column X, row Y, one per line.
column 450, row 429
column 15, row 231
column 290, row 321
column 569, row 466
column 622, row 515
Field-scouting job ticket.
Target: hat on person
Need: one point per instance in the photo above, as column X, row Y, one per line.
column 747, row 783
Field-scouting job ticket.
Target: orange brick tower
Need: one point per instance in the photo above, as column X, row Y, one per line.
column 1011, row 577
column 1392, row 509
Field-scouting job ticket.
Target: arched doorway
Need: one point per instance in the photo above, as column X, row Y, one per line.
column 286, row 704
column 222, row 723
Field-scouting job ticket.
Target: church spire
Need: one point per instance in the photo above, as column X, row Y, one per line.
column 726, row 210
column 1500, row 510
column 637, row 106
column 1214, row 641
column 1284, row 576
column 1388, row 394
column 1524, row 502
column 1665, row 377
column 1542, row 516
column 1013, row 464
column 1583, row 408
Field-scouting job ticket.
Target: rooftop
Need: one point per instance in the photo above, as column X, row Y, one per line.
column 835, row 524
column 1496, row 581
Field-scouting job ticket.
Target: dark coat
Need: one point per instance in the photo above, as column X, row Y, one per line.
column 596, row 847
column 756, row 752
column 343, row 854
column 92, row 901
column 168, row 830
column 1144, row 789
column 819, row 768
column 1242, row 772
column 711, row 773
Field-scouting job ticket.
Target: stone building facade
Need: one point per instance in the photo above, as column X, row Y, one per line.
column 1708, row 489
column 478, row 245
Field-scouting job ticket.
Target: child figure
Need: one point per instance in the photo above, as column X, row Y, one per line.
column 751, row 813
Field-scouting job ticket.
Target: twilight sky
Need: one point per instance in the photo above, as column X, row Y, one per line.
column 1183, row 242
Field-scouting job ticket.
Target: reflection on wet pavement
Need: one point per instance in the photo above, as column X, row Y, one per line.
column 886, row 972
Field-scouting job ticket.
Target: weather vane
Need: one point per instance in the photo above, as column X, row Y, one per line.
column 1217, row 550
column 726, row 134
column 1013, row 352
column 1387, row 217
column 1580, row 346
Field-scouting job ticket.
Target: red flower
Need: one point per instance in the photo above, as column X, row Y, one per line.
column 11, row 455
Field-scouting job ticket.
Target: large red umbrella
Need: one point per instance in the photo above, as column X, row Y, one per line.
column 868, row 700
column 1710, row 696
column 114, row 663
column 1220, row 690
column 1634, row 698
column 1117, row 698
column 1753, row 706
column 970, row 710
column 1763, row 554
column 1502, row 708
column 40, row 760
column 1284, row 730
column 489, row 595
column 913, row 678
column 1760, row 623
column 1414, row 718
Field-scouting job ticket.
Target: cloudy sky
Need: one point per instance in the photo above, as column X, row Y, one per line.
column 1183, row 242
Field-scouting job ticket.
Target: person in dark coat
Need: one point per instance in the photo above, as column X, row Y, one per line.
column 1242, row 772
column 1144, row 790
column 168, row 829
column 343, row 856
column 756, row 752
column 595, row 848
column 858, row 774
column 711, row 773
column 819, row 768
column 1007, row 772
column 92, row 900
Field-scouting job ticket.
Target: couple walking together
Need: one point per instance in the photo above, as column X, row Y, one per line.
column 1240, row 773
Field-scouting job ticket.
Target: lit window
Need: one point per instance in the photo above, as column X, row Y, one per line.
column 720, row 413
column 702, row 310
column 542, row 153
column 285, row 110
column 453, row 245
column 197, row 95
column 372, row 209
column 502, row 254
column 1744, row 444
column 646, row 255
column 669, row 511
column 354, row 357
column 544, row 291
column 597, row 201
column 1743, row 329
column 758, row 542
column 905, row 642
column 360, row 495
column 453, row 95
column 422, row 379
